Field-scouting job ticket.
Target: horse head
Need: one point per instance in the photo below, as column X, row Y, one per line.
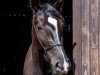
column 48, row 25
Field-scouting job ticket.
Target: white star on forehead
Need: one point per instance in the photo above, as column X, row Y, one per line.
column 52, row 21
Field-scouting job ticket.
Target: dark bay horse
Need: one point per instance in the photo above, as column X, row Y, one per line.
column 46, row 55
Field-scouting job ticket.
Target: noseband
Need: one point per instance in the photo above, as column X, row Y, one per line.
column 53, row 47
column 45, row 50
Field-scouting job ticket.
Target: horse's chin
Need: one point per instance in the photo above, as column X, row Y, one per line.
column 59, row 73
column 55, row 72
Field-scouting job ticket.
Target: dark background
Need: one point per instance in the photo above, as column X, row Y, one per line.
column 15, row 28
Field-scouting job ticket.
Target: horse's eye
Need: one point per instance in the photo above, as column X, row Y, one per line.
column 40, row 28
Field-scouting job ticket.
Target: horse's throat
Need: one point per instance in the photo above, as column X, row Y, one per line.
column 37, row 50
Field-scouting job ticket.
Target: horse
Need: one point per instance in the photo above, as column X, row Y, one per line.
column 46, row 54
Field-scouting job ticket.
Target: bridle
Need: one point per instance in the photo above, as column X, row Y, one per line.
column 53, row 47
column 48, row 49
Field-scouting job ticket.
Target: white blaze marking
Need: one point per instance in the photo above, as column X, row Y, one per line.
column 65, row 65
column 54, row 22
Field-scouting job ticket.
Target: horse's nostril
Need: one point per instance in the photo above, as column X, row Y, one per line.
column 57, row 64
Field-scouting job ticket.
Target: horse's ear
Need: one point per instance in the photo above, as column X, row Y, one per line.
column 33, row 4
column 59, row 4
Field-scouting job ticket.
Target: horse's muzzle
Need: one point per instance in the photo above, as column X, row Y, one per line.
column 62, row 68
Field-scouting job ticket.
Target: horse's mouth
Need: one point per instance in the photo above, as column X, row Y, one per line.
column 59, row 71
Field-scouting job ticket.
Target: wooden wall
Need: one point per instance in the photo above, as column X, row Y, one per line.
column 86, row 34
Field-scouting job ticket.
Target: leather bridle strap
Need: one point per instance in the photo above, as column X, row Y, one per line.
column 45, row 54
column 53, row 47
column 47, row 48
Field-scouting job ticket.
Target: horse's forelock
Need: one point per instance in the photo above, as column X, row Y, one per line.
column 42, row 8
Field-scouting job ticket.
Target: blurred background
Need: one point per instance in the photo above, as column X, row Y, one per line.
column 15, row 26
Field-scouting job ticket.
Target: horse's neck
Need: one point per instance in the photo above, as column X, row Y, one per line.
column 35, row 54
column 39, row 59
